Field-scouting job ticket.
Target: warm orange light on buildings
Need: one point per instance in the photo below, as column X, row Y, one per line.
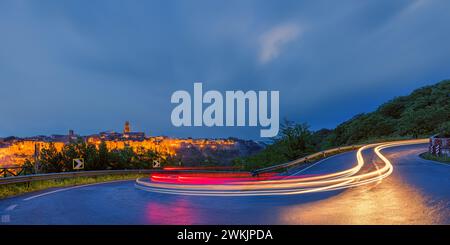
column 18, row 152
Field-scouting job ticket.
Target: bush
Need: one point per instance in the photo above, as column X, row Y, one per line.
column 96, row 158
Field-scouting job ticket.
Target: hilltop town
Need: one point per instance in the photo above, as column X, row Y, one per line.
column 15, row 151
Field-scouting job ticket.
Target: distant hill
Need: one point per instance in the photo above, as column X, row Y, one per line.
column 425, row 112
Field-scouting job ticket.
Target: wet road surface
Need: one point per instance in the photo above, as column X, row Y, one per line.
column 417, row 192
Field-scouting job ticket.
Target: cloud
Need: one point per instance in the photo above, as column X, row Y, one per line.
column 65, row 64
column 273, row 41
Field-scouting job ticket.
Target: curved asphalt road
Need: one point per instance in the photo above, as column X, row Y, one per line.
column 418, row 192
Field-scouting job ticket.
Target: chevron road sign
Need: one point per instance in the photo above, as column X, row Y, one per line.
column 78, row 163
column 156, row 164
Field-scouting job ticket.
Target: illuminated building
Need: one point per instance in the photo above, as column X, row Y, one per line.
column 126, row 128
column 127, row 134
column 15, row 151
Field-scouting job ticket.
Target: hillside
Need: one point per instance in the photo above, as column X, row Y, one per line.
column 424, row 112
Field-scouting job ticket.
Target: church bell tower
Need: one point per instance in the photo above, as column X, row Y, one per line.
column 126, row 129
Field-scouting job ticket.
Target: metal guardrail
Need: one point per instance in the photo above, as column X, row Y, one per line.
column 306, row 158
column 64, row 175
column 52, row 176
column 12, row 171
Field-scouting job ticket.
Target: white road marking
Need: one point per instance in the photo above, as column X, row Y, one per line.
column 6, row 218
column 11, row 207
column 328, row 158
column 70, row 188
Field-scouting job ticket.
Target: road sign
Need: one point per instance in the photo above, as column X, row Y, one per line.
column 78, row 163
column 156, row 164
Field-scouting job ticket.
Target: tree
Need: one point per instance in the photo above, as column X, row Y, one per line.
column 51, row 160
column 28, row 167
column 69, row 152
column 146, row 158
column 445, row 129
column 91, row 158
column 121, row 158
column 297, row 139
column 103, row 156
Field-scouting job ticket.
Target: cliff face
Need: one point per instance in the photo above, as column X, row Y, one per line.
column 192, row 153
column 189, row 151
column 16, row 152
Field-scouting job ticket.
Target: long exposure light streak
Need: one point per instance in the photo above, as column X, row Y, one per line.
column 271, row 184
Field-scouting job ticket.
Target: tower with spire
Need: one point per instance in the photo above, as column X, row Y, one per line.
column 126, row 128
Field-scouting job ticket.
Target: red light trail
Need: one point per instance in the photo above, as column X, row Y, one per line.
column 242, row 184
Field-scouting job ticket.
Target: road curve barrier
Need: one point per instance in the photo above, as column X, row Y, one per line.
column 307, row 158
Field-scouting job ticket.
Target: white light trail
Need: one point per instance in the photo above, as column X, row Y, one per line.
column 352, row 177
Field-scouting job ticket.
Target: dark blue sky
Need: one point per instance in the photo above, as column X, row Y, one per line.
column 91, row 65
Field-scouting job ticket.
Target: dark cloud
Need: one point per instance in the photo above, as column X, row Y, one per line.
column 92, row 65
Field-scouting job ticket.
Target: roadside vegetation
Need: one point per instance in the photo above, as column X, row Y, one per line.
column 21, row 188
column 51, row 160
column 425, row 112
column 428, row 156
